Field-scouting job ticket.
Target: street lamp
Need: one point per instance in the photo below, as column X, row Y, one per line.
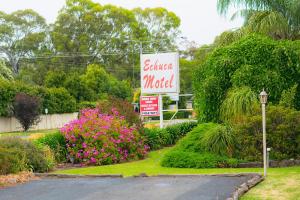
column 263, row 100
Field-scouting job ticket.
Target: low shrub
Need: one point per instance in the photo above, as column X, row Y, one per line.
column 22, row 154
column 100, row 139
column 12, row 160
column 57, row 143
column 283, row 135
column 158, row 138
column 192, row 151
column 182, row 159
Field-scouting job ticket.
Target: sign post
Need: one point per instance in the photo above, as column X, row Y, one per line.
column 160, row 75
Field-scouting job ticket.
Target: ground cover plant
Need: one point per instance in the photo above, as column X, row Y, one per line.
column 206, row 146
column 101, row 139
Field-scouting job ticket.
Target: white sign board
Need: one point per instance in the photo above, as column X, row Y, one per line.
column 160, row 73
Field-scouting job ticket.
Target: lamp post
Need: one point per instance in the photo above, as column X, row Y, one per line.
column 263, row 100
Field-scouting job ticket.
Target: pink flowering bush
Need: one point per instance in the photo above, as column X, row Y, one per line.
column 102, row 139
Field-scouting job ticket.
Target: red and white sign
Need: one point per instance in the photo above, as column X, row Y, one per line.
column 149, row 106
column 160, row 73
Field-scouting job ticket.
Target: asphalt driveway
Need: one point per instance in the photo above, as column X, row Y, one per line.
column 141, row 188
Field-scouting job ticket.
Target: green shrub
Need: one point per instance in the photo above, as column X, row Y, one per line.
column 203, row 147
column 86, row 104
column 182, row 159
column 219, row 140
column 283, row 134
column 239, row 102
column 58, row 100
column 12, row 160
column 36, row 159
column 254, row 61
column 158, row 138
column 57, row 143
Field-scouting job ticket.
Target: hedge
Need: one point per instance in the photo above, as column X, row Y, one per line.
column 56, row 100
column 158, row 138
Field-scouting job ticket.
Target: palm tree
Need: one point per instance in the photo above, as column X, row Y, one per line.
column 277, row 18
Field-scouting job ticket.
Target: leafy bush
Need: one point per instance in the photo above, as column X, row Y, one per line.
column 12, row 160
column 100, row 139
column 22, row 154
column 125, row 109
column 158, row 138
column 255, row 61
column 58, row 100
column 87, row 104
column 57, row 143
column 239, row 103
column 283, row 135
column 182, row 159
column 219, row 140
column 26, row 110
column 203, row 147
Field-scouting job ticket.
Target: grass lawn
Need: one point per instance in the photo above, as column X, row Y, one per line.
column 29, row 133
column 281, row 183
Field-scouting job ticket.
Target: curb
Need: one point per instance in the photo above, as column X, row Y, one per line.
column 245, row 187
column 45, row 175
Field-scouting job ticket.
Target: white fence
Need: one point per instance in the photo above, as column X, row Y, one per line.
column 11, row 124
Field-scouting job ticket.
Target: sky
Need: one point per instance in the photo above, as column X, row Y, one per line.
column 200, row 21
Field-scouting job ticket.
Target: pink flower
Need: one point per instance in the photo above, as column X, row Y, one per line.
column 84, row 145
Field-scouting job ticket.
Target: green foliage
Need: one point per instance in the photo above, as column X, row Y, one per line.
column 100, row 82
column 158, row 138
column 57, row 143
column 219, row 140
column 277, row 18
column 55, row 79
column 254, row 61
column 78, row 88
column 21, row 154
column 58, row 100
column 288, row 97
column 12, row 160
column 5, row 72
column 206, row 146
column 182, row 159
column 283, row 135
column 169, row 114
column 87, row 104
column 21, row 33
column 239, row 103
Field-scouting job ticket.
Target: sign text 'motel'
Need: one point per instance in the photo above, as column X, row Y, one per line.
column 159, row 73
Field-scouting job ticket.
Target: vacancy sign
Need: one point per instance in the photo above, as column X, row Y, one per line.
column 160, row 73
column 149, row 106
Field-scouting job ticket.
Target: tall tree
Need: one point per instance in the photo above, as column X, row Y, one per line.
column 5, row 72
column 277, row 18
column 21, row 34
